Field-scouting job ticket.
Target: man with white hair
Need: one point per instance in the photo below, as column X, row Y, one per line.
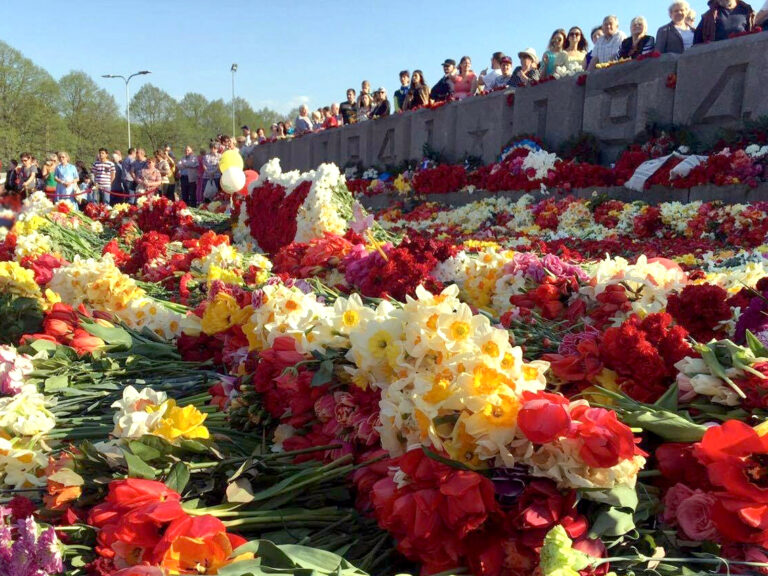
column 303, row 121
column 607, row 47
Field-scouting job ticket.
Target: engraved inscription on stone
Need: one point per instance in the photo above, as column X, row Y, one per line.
column 387, row 152
column 725, row 101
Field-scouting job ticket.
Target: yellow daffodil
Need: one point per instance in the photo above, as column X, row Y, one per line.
column 182, row 423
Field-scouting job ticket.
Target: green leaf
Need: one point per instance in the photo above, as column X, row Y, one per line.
column 193, row 446
column 613, row 522
column 54, row 383
column 178, row 477
column 114, row 336
column 158, row 443
column 757, row 347
column 43, row 346
column 137, row 468
column 669, row 400
column 146, row 453
column 324, row 375
column 306, row 557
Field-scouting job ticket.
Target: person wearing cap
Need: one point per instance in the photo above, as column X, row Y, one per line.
column 381, row 105
column 504, row 79
column 528, row 70
column 247, row 135
column 443, row 90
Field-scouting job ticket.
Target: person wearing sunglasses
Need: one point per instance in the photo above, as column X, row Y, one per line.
column 576, row 46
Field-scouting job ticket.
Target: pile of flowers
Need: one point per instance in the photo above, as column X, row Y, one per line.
column 292, row 207
column 561, row 386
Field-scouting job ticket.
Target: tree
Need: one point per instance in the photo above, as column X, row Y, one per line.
column 90, row 114
column 156, row 112
column 28, row 116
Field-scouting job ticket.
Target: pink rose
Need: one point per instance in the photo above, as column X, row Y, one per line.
column 674, row 497
column 695, row 518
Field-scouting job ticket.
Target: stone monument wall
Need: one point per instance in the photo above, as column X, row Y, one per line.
column 710, row 87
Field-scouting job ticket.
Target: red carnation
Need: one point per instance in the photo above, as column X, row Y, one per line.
column 701, row 309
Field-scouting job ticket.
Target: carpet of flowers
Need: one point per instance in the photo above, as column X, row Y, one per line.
column 558, row 387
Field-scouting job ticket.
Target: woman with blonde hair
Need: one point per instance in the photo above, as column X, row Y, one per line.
column 66, row 176
column 639, row 43
column 676, row 36
column 555, row 55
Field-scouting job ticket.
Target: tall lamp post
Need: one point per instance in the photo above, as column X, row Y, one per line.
column 127, row 100
column 233, row 70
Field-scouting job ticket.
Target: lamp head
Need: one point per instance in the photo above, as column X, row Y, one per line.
column 234, row 68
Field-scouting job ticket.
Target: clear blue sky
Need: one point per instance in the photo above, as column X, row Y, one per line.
column 290, row 51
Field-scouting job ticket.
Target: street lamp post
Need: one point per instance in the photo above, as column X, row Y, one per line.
column 127, row 99
column 233, row 70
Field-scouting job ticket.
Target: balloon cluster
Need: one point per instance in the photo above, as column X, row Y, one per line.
column 234, row 180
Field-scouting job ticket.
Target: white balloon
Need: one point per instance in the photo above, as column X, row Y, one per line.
column 232, row 180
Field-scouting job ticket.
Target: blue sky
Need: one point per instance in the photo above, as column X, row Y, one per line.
column 290, row 51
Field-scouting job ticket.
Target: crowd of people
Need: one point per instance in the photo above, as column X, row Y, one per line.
column 113, row 178
column 194, row 177
column 569, row 49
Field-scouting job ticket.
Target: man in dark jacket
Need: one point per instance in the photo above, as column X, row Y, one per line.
column 443, row 90
column 724, row 19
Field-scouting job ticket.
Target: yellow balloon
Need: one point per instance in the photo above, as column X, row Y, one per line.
column 230, row 159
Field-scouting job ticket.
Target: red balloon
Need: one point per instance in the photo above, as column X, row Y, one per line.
column 250, row 176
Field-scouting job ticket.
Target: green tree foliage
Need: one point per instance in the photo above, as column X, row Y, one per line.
column 156, row 113
column 90, row 115
column 40, row 115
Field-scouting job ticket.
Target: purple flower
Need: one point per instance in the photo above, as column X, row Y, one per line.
column 30, row 554
column 360, row 223
column 509, row 483
column 754, row 319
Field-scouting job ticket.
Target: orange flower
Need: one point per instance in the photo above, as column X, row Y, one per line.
column 64, row 485
column 196, row 545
